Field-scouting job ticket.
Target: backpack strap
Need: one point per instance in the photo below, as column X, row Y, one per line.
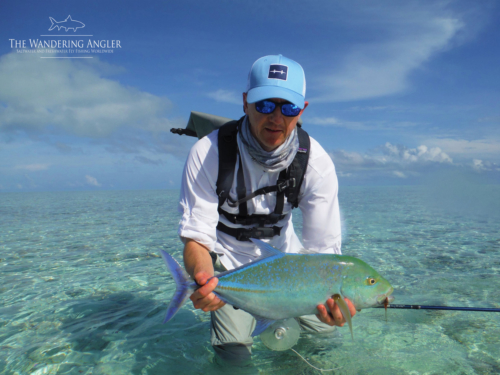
column 288, row 184
column 244, row 234
column 241, row 189
column 298, row 168
column 228, row 151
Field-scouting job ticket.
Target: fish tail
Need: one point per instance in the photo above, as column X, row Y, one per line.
column 54, row 23
column 184, row 285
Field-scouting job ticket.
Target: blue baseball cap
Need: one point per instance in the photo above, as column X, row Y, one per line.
column 276, row 76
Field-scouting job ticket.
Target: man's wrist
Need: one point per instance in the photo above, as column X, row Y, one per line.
column 197, row 259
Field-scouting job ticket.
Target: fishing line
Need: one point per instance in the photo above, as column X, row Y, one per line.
column 305, row 360
column 282, row 335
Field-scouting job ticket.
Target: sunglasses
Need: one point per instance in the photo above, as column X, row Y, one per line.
column 268, row 106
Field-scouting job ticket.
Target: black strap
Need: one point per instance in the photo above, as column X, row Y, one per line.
column 289, row 180
column 240, row 189
column 280, row 193
column 244, row 234
column 280, row 187
column 228, row 150
column 288, row 184
column 261, row 220
column 298, row 168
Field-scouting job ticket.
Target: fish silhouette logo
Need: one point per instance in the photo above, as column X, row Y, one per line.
column 67, row 24
column 278, row 71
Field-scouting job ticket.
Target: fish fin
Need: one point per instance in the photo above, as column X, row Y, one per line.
column 262, row 324
column 266, row 249
column 345, row 310
column 184, row 285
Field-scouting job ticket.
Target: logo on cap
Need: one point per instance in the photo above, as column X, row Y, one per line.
column 277, row 71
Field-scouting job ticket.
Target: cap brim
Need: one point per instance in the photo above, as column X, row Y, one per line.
column 268, row 92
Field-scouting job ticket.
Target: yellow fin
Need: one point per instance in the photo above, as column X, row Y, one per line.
column 344, row 309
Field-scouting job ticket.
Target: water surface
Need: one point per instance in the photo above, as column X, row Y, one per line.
column 83, row 290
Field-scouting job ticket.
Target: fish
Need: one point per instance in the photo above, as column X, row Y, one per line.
column 288, row 285
column 68, row 23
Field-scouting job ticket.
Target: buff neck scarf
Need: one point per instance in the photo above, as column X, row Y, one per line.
column 272, row 161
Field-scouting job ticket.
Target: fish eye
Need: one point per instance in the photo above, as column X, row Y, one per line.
column 370, row 281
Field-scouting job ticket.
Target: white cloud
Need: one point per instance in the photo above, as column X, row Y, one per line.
column 324, row 121
column 344, row 158
column 477, row 164
column 481, row 166
column 390, row 160
column 51, row 100
column 392, row 155
column 333, row 121
column 32, row 167
column 468, row 148
column 413, row 34
column 417, row 155
column 73, row 96
column 359, row 125
column 226, row 96
column 402, row 162
column 92, row 181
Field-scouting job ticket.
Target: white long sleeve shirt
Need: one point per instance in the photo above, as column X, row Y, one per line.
column 198, row 204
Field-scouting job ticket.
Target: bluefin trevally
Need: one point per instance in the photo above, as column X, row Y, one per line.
column 288, row 285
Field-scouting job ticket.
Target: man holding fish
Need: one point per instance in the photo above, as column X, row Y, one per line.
column 241, row 182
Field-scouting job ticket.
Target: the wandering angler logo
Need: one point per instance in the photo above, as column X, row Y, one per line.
column 63, row 45
column 67, row 24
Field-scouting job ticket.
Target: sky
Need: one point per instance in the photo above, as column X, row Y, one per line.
column 400, row 93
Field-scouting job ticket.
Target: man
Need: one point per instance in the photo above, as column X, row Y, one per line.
column 217, row 222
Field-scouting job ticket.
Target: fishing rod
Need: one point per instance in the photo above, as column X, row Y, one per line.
column 424, row 307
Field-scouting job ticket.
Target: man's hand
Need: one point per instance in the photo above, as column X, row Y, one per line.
column 198, row 264
column 203, row 298
column 335, row 317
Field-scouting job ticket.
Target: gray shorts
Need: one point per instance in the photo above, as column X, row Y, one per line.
column 231, row 330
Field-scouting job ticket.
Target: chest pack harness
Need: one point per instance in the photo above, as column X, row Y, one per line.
column 288, row 184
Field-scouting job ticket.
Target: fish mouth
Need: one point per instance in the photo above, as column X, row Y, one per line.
column 386, row 297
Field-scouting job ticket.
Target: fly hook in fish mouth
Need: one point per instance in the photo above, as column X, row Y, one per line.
column 386, row 303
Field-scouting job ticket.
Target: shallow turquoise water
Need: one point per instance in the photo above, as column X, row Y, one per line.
column 83, row 290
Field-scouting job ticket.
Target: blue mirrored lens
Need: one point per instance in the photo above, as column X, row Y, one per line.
column 265, row 106
column 290, row 109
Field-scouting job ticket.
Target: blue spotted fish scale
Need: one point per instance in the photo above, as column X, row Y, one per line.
column 280, row 285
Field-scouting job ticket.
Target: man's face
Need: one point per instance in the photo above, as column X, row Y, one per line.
column 273, row 129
